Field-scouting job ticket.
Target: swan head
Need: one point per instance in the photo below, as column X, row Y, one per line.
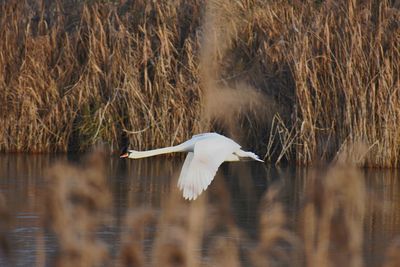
column 125, row 153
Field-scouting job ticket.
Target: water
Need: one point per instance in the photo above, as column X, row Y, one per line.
column 147, row 182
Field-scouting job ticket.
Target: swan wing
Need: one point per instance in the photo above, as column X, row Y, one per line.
column 185, row 169
column 200, row 167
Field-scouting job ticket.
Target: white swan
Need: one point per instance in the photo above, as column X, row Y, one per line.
column 207, row 152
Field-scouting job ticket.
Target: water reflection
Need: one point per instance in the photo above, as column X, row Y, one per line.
column 148, row 182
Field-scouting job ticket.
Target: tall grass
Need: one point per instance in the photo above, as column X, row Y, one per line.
column 75, row 204
column 346, row 68
column 73, row 76
column 297, row 80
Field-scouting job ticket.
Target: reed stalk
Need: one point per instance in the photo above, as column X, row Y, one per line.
column 151, row 74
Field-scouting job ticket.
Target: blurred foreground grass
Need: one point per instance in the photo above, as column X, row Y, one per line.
column 330, row 229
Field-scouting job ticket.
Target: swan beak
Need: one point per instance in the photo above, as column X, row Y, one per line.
column 124, row 155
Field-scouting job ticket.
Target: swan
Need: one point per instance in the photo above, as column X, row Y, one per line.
column 206, row 152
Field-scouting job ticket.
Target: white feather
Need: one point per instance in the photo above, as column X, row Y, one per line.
column 209, row 154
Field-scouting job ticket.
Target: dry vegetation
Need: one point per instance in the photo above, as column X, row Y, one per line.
column 73, row 75
column 75, row 204
column 297, row 80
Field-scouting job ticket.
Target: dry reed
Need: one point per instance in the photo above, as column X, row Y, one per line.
column 345, row 63
column 333, row 218
column 152, row 73
column 277, row 246
column 393, row 254
column 220, row 224
column 131, row 252
column 181, row 227
column 74, row 206
column 73, row 76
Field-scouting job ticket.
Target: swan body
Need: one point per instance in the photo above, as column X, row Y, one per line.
column 206, row 152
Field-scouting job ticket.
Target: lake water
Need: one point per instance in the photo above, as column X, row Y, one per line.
column 147, row 183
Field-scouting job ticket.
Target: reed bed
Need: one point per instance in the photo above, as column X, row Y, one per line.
column 74, row 75
column 346, row 69
column 298, row 81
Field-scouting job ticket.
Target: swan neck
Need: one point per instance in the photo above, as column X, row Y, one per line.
column 153, row 152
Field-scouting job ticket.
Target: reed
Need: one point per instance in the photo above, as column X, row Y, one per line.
column 131, row 252
column 392, row 254
column 102, row 73
column 346, row 69
column 277, row 246
column 153, row 73
column 333, row 217
column 180, row 233
column 74, row 206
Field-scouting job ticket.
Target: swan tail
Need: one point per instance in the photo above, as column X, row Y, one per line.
column 248, row 154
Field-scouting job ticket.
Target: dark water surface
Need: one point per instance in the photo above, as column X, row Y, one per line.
column 147, row 182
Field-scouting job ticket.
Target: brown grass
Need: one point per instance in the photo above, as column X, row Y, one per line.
column 333, row 219
column 393, row 254
column 277, row 246
column 100, row 73
column 153, row 73
column 346, row 68
column 132, row 252
column 74, row 206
